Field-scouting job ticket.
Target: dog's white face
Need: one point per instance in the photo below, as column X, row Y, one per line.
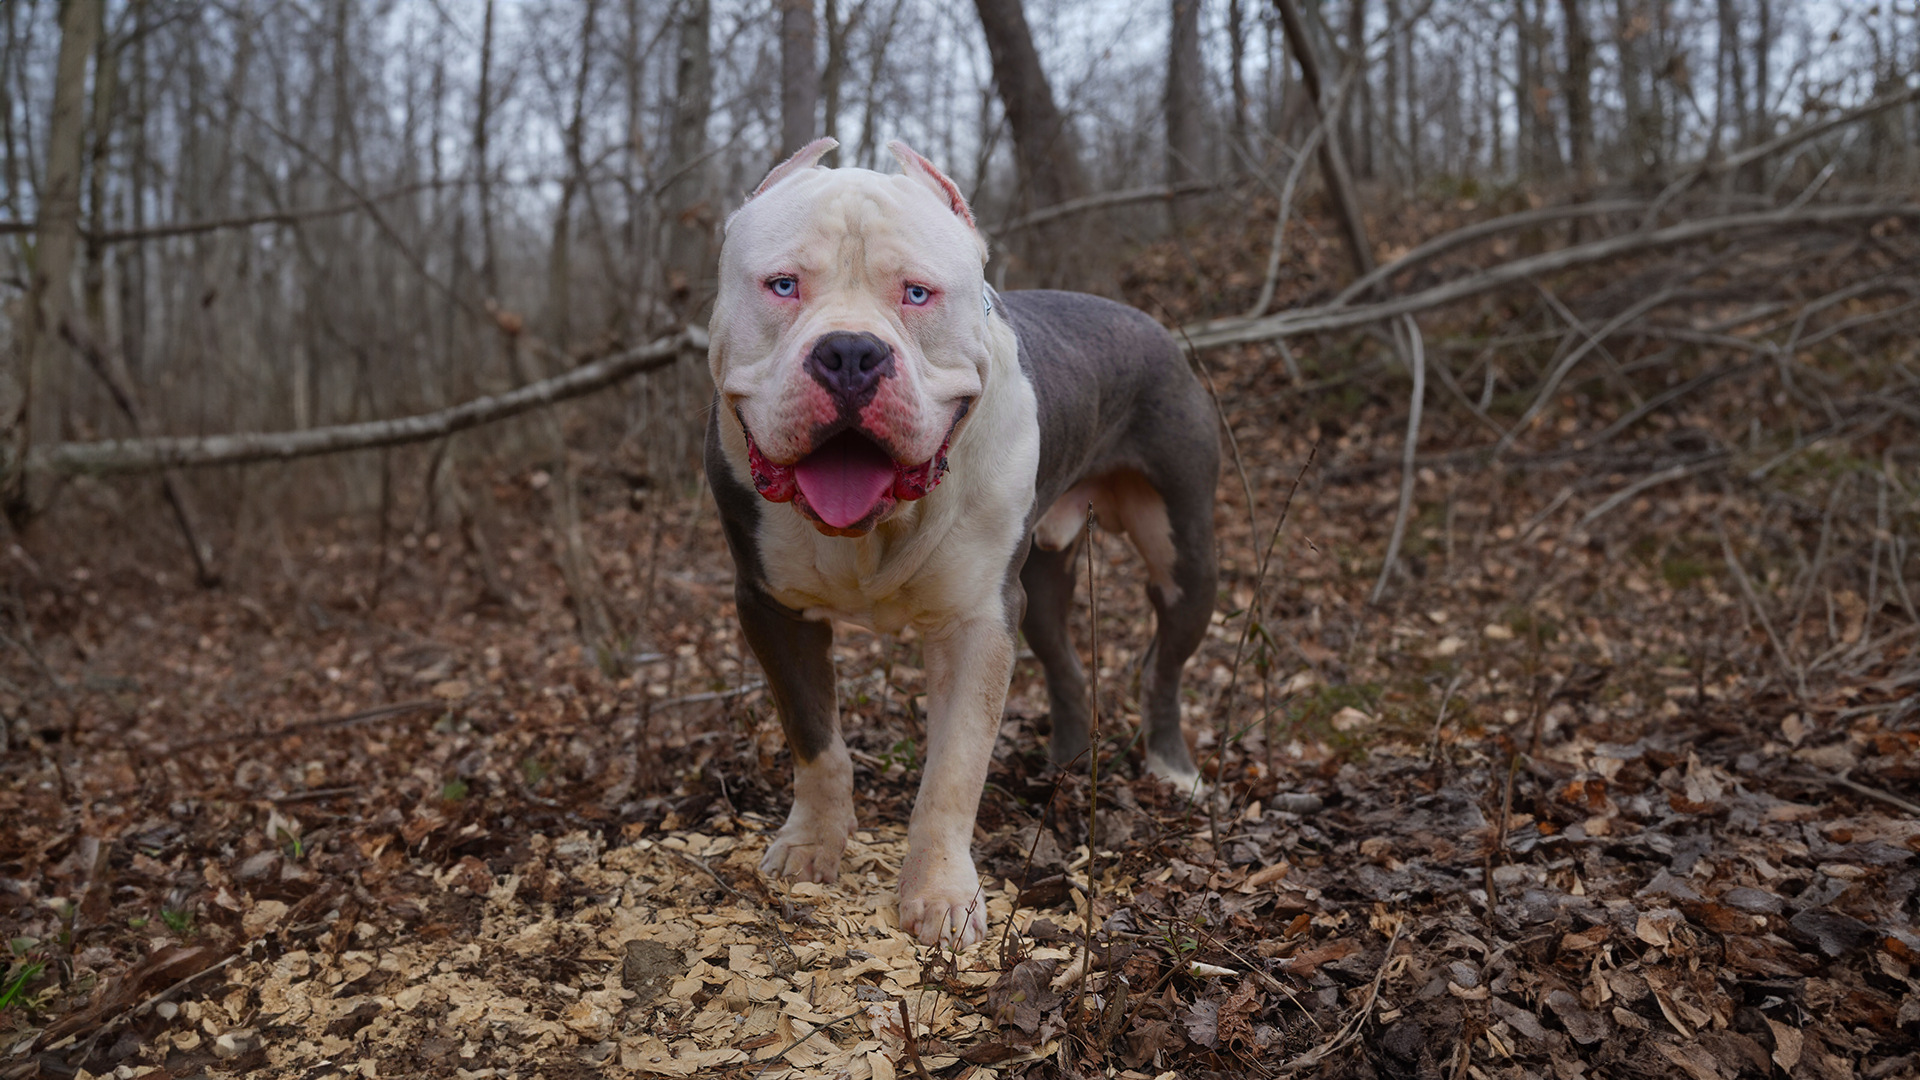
column 849, row 337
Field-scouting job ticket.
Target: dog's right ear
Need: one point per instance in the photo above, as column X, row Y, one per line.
column 807, row 157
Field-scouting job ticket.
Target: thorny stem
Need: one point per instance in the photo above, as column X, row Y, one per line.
column 1093, row 767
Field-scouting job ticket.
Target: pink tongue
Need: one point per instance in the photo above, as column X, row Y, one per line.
column 844, row 480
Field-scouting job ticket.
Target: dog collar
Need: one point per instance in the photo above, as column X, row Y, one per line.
column 986, row 297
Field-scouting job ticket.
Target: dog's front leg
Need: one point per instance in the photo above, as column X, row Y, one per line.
column 794, row 654
column 968, row 666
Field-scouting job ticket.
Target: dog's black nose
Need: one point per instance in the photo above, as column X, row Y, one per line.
column 850, row 365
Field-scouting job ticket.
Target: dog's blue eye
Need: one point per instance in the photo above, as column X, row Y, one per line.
column 918, row 295
column 784, row 286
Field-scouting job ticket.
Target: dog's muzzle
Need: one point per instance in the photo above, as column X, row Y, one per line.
column 848, row 481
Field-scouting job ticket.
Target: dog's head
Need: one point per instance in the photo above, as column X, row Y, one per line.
column 849, row 336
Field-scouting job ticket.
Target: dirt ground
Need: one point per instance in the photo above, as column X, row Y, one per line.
column 1617, row 780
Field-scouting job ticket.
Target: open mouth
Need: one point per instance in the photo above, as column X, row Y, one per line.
column 849, row 479
column 846, row 478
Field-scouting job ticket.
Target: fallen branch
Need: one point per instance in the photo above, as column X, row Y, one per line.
column 242, row 221
column 1714, row 167
column 1096, row 202
column 1461, row 237
column 1339, row 316
column 148, row 455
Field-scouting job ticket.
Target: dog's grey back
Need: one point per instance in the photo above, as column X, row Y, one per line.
column 1111, row 383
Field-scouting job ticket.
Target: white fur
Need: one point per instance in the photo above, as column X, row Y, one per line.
column 939, row 564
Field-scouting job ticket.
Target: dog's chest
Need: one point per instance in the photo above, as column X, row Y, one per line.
column 861, row 581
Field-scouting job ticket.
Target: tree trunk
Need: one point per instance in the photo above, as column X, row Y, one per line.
column 560, row 254
column 1525, row 162
column 870, row 105
column 684, row 199
column 1391, row 92
column 1736, row 90
column 1360, row 141
column 1044, row 148
column 1762, row 75
column 678, row 398
column 93, row 274
column 835, row 73
column 35, row 410
column 1333, row 165
column 1045, row 151
column 1579, row 96
column 799, row 81
column 482, row 177
column 1633, row 90
column 1237, row 79
column 1410, row 72
column 1185, row 131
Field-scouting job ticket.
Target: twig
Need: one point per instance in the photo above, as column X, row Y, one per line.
column 86, row 1048
column 1746, row 589
column 1285, row 210
column 110, row 369
column 1418, row 361
column 1665, row 476
column 781, row 1056
column 913, row 1042
column 737, row 895
column 1773, row 146
column 243, row 221
column 1093, row 768
column 713, row 695
column 1255, row 606
column 1440, row 717
column 148, row 455
column 1446, row 242
column 1351, row 1029
column 1096, row 202
column 1544, row 396
column 378, row 712
column 1861, row 789
column 1699, row 382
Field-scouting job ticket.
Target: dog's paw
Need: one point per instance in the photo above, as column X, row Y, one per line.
column 1183, row 776
column 805, row 851
column 944, row 907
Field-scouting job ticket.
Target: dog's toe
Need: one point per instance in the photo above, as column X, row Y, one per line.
column 1186, row 781
column 950, row 913
column 799, row 857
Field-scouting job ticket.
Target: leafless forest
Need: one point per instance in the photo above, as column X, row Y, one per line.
column 370, row 695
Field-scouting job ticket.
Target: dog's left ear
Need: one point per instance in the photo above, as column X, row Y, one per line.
column 806, row 158
column 922, row 170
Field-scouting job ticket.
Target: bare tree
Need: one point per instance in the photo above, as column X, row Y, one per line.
column 1237, row 73
column 1186, row 110
column 560, row 251
column 35, row 413
column 799, row 83
column 1044, row 146
column 685, row 196
column 1333, row 165
column 1579, row 92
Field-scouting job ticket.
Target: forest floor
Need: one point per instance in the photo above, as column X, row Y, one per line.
column 1618, row 779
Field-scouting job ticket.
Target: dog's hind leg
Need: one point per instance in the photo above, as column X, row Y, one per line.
column 794, row 654
column 1048, row 578
column 1172, row 528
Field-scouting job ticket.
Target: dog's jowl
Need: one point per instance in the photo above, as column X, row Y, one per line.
column 894, row 444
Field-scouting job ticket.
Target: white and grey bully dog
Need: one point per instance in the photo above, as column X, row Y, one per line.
column 937, row 446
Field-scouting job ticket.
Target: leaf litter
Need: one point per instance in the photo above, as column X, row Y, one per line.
column 1610, row 786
